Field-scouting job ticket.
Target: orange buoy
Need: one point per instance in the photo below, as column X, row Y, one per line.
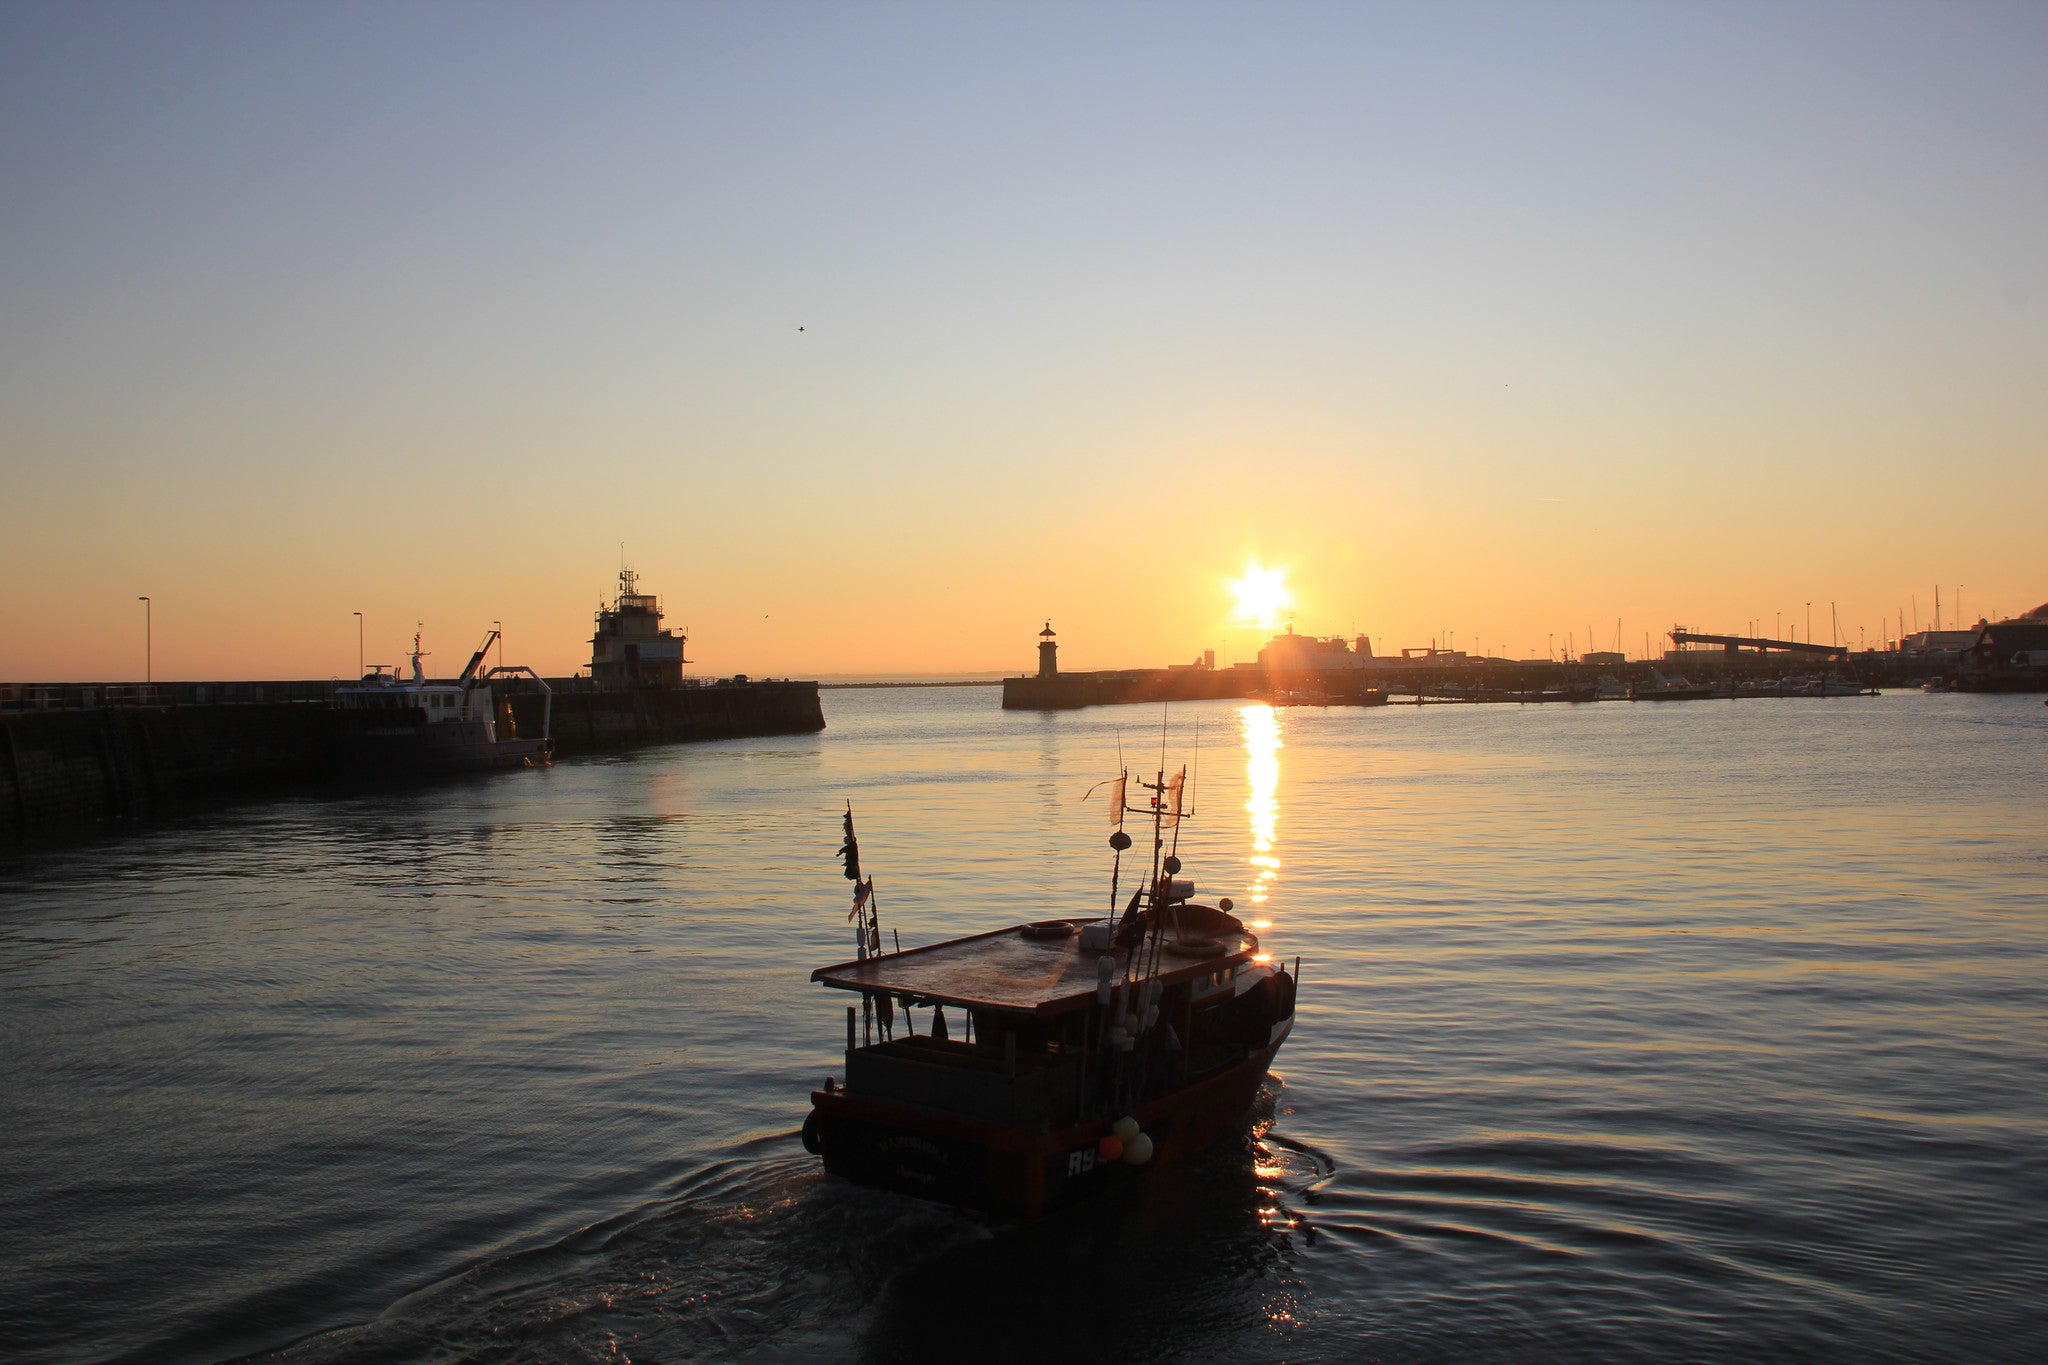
column 1110, row 1148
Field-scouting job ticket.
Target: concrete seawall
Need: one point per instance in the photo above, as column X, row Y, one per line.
column 71, row 772
column 1066, row 691
column 587, row 721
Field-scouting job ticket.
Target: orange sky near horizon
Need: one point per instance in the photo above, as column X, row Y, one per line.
column 1475, row 321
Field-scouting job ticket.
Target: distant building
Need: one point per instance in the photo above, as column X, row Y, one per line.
column 1939, row 644
column 2009, row 654
column 630, row 648
column 1604, row 659
column 1430, row 655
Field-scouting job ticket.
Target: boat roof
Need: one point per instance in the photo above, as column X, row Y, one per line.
column 1006, row 969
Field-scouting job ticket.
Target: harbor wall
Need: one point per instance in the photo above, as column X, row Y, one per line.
column 74, row 770
column 585, row 721
column 1066, row 691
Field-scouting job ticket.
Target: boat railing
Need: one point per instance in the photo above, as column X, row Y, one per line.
column 547, row 694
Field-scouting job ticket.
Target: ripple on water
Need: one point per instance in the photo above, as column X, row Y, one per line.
column 1628, row 1033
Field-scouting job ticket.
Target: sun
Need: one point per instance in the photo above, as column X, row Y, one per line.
column 1261, row 595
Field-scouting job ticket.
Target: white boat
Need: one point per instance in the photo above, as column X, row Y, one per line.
column 1833, row 687
column 415, row 725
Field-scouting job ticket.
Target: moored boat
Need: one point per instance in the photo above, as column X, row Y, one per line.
column 1090, row 1048
column 1661, row 688
column 399, row 726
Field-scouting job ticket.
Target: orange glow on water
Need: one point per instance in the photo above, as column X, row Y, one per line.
column 1262, row 745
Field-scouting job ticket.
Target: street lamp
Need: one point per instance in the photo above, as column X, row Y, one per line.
column 146, row 647
column 359, row 645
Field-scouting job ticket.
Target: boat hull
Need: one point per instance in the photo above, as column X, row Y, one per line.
column 1017, row 1171
column 432, row 750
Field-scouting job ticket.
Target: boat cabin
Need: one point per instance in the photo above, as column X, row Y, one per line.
column 1037, row 1017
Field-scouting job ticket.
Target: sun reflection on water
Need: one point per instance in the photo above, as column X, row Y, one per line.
column 1262, row 779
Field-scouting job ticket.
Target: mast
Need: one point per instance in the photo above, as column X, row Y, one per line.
column 867, row 934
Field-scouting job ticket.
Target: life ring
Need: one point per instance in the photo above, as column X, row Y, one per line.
column 1195, row 947
column 1049, row 928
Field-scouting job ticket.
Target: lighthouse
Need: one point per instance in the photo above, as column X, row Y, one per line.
column 1048, row 653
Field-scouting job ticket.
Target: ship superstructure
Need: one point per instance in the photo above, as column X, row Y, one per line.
column 630, row 648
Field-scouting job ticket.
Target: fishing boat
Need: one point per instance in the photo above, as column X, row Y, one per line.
column 396, row 726
column 1089, row 1048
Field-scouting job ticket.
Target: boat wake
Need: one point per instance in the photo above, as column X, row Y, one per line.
column 757, row 1255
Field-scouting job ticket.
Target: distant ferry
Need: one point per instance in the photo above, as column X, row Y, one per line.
column 414, row 725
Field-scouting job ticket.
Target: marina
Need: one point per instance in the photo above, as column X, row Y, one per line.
column 1304, row 670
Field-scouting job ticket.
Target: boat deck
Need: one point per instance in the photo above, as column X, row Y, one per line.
column 1008, row 970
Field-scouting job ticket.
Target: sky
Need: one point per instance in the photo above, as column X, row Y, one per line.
column 875, row 335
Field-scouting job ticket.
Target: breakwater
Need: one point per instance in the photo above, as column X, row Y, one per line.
column 590, row 720
column 1503, row 679
column 76, row 764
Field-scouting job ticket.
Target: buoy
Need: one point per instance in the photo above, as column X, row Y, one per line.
column 1125, row 1128
column 1110, row 1148
column 1138, row 1150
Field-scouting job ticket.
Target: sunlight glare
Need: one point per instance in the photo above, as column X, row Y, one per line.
column 1261, row 595
column 1262, row 745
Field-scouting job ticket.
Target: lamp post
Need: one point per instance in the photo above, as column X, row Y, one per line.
column 359, row 645
column 147, row 679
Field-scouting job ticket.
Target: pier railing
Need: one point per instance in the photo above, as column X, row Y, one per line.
column 93, row 696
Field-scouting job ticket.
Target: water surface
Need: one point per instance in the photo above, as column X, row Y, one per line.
column 1701, row 1031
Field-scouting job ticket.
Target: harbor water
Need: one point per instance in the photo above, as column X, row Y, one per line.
column 1708, row 1031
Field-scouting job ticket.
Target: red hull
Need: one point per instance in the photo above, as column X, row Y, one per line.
column 1009, row 1169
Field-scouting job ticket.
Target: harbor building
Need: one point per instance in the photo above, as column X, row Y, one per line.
column 2006, row 656
column 630, row 648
